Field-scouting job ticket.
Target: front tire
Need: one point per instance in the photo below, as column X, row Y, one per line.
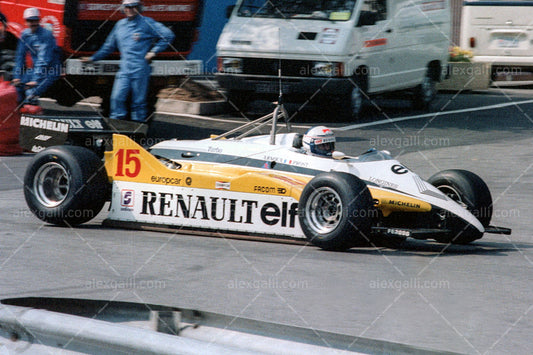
column 336, row 210
column 471, row 192
column 66, row 185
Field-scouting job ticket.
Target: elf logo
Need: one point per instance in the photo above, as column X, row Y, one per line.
column 219, row 209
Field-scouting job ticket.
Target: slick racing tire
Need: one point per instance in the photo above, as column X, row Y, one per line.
column 471, row 192
column 66, row 185
column 336, row 210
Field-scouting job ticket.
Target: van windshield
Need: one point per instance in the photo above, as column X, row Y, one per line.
column 332, row 10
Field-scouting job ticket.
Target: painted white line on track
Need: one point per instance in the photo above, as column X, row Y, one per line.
column 432, row 114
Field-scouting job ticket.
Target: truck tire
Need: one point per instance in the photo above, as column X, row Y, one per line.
column 335, row 211
column 66, row 185
column 471, row 192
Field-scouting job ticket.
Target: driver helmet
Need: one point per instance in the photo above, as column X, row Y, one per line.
column 320, row 141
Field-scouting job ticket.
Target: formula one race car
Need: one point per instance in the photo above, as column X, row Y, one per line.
column 268, row 186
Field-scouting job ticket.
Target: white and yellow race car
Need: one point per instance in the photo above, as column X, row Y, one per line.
column 260, row 186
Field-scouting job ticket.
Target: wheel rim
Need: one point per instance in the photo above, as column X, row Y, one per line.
column 356, row 101
column 324, row 208
column 453, row 194
column 51, row 184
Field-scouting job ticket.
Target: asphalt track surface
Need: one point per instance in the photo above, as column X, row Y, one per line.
column 468, row 299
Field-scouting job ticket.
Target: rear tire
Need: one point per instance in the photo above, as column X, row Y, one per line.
column 470, row 191
column 66, row 185
column 336, row 211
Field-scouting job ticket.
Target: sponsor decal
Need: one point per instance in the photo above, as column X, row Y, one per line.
column 218, row 209
column 222, row 185
column 383, row 183
column 37, row 148
column 265, row 189
column 404, row 204
column 399, row 169
column 270, row 190
column 165, row 180
column 44, row 124
column 127, row 199
column 281, row 160
column 400, row 232
column 37, row 134
column 42, row 137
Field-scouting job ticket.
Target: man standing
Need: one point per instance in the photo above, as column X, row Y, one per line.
column 134, row 38
column 46, row 59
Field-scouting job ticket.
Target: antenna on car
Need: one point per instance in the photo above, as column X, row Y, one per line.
column 279, row 111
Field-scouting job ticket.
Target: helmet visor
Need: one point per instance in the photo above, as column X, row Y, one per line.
column 325, row 148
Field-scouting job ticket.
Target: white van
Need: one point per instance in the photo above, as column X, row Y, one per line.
column 343, row 49
column 499, row 33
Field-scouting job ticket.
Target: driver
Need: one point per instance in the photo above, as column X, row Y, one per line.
column 319, row 141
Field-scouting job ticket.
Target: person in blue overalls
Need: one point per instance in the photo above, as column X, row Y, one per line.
column 46, row 58
column 134, row 37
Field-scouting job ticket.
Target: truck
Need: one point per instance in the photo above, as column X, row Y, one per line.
column 343, row 51
column 82, row 26
column 499, row 33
